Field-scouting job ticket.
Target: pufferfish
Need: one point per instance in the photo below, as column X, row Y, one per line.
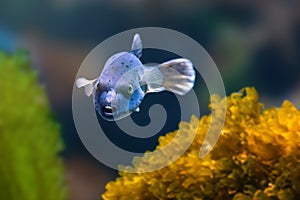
column 124, row 81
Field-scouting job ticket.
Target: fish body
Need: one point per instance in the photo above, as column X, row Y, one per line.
column 124, row 81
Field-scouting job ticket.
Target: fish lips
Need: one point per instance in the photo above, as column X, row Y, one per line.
column 112, row 109
column 107, row 111
column 111, row 113
column 105, row 107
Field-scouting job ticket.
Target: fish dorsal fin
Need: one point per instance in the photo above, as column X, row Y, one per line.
column 87, row 84
column 137, row 46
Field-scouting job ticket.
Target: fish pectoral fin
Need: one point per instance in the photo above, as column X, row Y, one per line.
column 87, row 84
column 137, row 46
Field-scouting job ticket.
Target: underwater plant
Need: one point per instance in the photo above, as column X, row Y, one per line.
column 256, row 157
column 30, row 168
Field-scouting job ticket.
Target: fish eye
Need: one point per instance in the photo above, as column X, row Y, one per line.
column 130, row 89
column 100, row 87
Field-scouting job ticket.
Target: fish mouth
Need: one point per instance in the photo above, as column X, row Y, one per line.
column 109, row 110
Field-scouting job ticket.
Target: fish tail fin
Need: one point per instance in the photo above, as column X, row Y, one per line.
column 177, row 76
column 87, row 84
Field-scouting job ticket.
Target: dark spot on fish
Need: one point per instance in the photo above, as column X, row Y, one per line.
column 122, row 63
column 127, row 66
column 131, row 61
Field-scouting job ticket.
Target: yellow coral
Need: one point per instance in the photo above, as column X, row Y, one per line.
column 256, row 157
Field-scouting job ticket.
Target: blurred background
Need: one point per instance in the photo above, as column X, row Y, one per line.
column 253, row 43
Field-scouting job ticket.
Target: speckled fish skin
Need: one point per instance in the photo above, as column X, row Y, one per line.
column 124, row 81
column 113, row 98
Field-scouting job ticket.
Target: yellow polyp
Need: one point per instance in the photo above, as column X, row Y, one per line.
column 256, row 157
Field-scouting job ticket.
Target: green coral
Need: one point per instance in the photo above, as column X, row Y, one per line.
column 256, row 157
column 30, row 168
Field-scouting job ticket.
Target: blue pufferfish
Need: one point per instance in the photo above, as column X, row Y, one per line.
column 124, row 81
